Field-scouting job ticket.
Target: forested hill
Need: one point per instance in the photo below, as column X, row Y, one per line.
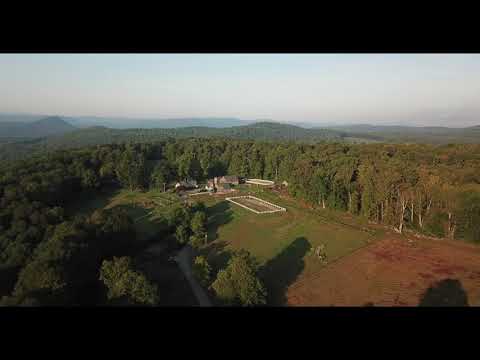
column 413, row 134
column 12, row 148
column 47, row 126
column 258, row 131
column 99, row 135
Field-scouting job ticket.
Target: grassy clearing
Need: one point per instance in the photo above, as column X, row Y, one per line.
column 283, row 242
column 145, row 208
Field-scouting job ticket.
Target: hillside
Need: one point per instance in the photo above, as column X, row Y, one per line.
column 47, row 126
column 99, row 135
column 67, row 136
column 429, row 134
column 273, row 131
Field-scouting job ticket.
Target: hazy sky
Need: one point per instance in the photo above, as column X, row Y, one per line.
column 432, row 89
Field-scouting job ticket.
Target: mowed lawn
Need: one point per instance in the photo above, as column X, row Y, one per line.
column 283, row 242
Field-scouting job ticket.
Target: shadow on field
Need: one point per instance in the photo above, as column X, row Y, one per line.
column 448, row 292
column 173, row 287
column 218, row 215
column 8, row 278
column 217, row 255
column 86, row 202
column 282, row 271
column 149, row 231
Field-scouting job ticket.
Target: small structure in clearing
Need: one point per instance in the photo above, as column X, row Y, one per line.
column 187, row 184
column 210, row 185
column 227, row 179
column 222, row 183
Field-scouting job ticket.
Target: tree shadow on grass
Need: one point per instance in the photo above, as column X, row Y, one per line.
column 218, row 215
column 217, row 255
column 448, row 292
column 8, row 278
column 282, row 271
column 149, row 230
column 87, row 201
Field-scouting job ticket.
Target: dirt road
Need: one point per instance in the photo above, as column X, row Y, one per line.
column 183, row 259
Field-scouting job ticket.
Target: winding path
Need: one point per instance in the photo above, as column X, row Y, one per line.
column 183, row 259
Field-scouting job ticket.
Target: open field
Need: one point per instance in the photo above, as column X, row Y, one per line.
column 393, row 272
column 255, row 204
column 283, row 242
column 365, row 264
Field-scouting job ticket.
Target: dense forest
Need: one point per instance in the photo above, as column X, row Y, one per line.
column 98, row 135
column 54, row 133
column 430, row 189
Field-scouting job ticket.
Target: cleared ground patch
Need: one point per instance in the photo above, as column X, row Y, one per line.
column 393, row 272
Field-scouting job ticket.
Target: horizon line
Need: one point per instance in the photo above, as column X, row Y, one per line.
column 257, row 120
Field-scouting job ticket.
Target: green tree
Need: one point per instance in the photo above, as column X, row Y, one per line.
column 90, row 179
column 238, row 283
column 123, row 282
column 130, row 170
column 198, row 223
column 189, row 166
column 182, row 234
column 201, row 270
column 161, row 175
column 115, row 231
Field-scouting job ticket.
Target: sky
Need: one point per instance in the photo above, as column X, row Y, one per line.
column 411, row 89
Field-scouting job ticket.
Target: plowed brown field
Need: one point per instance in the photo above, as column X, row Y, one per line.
column 391, row 272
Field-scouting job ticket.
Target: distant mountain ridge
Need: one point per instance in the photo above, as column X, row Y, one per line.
column 416, row 134
column 127, row 123
column 98, row 135
column 19, row 139
column 52, row 125
column 214, row 122
column 266, row 131
column 370, row 127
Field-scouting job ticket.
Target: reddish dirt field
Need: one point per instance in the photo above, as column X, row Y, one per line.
column 391, row 272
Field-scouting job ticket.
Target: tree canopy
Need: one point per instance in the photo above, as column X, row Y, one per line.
column 238, row 283
column 124, row 282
